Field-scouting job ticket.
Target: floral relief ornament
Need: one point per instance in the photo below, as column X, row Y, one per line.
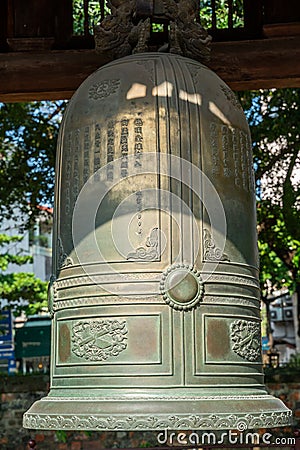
column 103, row 89
column 63, row 259
column 245, row 337
column 98, row 340
column 211, row 251
column 158, row 422
column 148, row 253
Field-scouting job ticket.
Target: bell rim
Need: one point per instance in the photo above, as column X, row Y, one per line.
column 264, row 411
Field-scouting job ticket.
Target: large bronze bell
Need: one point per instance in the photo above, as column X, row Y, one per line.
column 155, row 300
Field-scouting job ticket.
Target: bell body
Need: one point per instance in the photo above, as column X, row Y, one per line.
column 155, row 300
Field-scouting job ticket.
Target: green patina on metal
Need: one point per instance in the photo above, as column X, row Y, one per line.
column 155, row 299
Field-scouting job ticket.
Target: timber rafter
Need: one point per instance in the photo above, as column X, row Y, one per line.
column 244, row 65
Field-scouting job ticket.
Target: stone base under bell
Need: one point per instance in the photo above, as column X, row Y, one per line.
column 157, row 412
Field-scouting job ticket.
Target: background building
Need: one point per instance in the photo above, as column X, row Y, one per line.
column 25, row 344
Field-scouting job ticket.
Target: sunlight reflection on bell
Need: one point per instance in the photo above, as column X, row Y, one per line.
column 155, row 297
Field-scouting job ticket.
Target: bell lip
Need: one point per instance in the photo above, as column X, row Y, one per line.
column 99, row 414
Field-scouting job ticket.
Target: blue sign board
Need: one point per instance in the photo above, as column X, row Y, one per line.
column 9, row 354
column 265, row 343
column 6, row 333
column 12, row 367
column 6, row 326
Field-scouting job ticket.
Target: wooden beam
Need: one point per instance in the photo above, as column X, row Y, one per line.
column 244, row 65
column 258, row 64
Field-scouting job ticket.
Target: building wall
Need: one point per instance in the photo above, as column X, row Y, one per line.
column 35, row 243
column 22, row 248
column 39, row 246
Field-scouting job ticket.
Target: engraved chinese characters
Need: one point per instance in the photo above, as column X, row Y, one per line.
column 155, row 296
column 232, row 156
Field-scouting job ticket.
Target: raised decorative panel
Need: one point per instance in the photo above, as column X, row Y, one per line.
column 232, row 340
column 224, row 346
column 111, row 340
column 136, row 340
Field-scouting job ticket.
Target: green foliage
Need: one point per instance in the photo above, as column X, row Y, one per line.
column 289, row 372
column 94, row 14
column 6, row 258
column 282, row 374
column 274, row 117
column 61, row 436
column 157, row 27
column 22, row 290
column 294, row 361
column 205, row 15
column 221, row 13
column 28, row 133
column 145, row 444
column 279, row 251
column 78, row 15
